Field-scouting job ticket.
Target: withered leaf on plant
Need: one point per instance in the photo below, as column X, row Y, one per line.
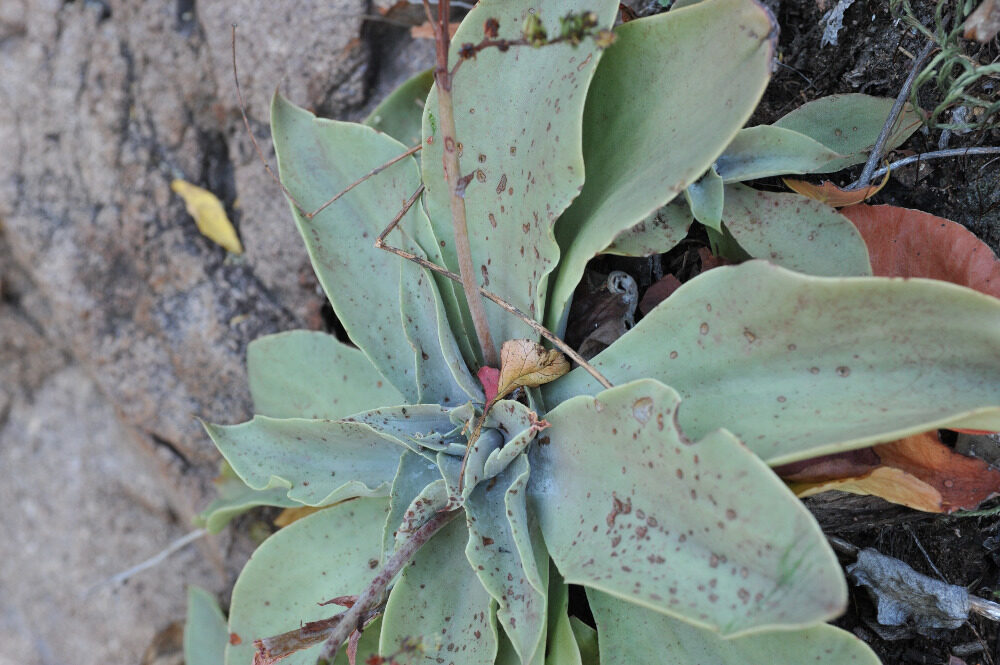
column 527, row 364
column 831, row 194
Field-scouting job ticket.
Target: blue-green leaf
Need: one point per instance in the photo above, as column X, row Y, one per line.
column 701, row 530
column 308, row 374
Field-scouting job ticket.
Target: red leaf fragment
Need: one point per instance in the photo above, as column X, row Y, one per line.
column 910, row 243
column 918, row 471
column 489, row 377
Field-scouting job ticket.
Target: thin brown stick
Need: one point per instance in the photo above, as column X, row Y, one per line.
column 352, row 618
column 336, row 629
column 374, row 172
column 260, row 153
column 500, row 302
column 452, row 176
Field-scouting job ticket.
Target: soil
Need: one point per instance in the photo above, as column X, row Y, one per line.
column 871, row 57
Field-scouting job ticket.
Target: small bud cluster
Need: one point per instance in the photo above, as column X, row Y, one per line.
column 573, row 28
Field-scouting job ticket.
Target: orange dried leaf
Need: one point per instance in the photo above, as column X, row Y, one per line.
column 984, row 23
column 910, row 243
column 832, row 195
column 524, row 363
column 918, row 471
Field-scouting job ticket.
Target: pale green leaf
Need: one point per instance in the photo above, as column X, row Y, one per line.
column 442, row 375
column 318, row 158
column 795, row 232
column 415, row 473
column 234, row 498
column 399, row 115
column 417, row 426
column 661, row 108
column 561, row 646
column 633, row 635
column 507, row 553
column 705, row 197
column 308, row 374
column 319, row 461
column 587, row 642
column 658, row 233
column 766, row 150
column 701, row 530
column 331, row 553
column 450, row 616
column 850, row 124
column 799, row 366
column 518, row 118
column 206, row 631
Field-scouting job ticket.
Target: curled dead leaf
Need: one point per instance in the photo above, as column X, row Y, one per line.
column 984, row 23
column 527, row 364
column 209, row 215
column 832, row 195
column 918, row 471
column 910, row 243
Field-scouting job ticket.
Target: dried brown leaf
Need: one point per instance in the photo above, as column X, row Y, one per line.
column 910, row 243
column 984, row 23
column 524, row 363
column 832, row 195
column 918, row 471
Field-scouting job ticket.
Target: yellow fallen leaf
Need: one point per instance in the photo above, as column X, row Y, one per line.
column 209, row 215
column 832, row 195
column 524, row 363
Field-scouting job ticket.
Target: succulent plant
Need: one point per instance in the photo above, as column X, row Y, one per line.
column 656, row 495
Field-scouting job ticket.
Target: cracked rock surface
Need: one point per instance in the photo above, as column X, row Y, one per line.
column 119, row 323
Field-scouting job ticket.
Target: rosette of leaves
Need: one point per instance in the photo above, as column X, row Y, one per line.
column 656, row 495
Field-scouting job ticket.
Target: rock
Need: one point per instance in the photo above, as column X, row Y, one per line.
column 108, row 102
column 80, row 507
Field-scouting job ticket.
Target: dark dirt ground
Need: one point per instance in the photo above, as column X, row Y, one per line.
column 870, row 58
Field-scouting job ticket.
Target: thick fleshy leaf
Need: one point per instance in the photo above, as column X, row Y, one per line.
column 911, row 243
column 795, row 232
column 703, row 531
column 561, row 644
column 643, row 145
column 318, row 158
column 850, row 124
column 319, row 461
column 487, row 443
column 766, row 150
column 439, row 601
column 415, row 473
column 518, row 118
column 918, row 471
column 206, row 631
column 658, row 233
column 399, row 115
column 308, row 374
column 417, row 426
column 511, row 564
column 799, row 366
column 586, row 640
column 821, row 136
column 704, row 197
column 329, row 554
column 442, row 376
column 633, row 635
column 233, row 498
